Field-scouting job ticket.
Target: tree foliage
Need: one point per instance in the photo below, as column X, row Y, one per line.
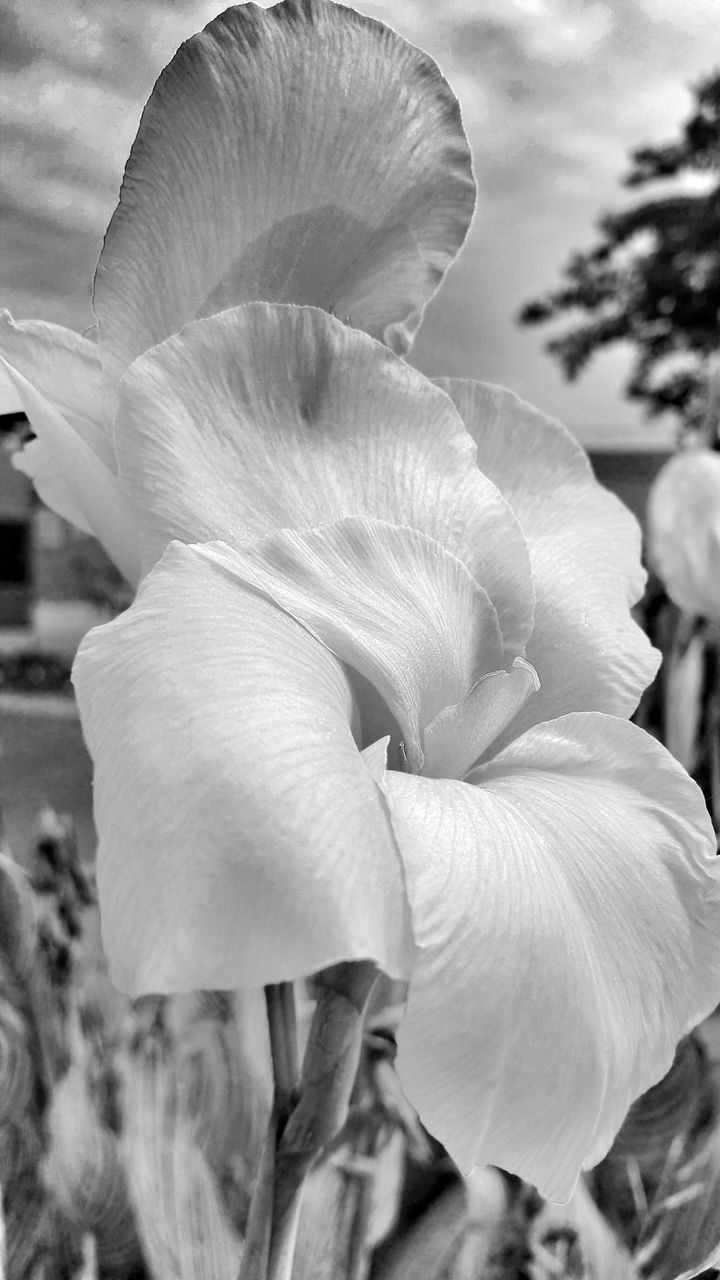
column 653, row 280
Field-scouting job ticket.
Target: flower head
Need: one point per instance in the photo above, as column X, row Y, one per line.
column 318, row 733
column 370, row 701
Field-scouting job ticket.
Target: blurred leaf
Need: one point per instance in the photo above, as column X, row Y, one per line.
column 83, row 1166
column 349, row 1204
column 33, row 1236
column 575, row 1240
column 683, row 694
column 457, row 1236
column 183, row 1223
column 660, row 1183
column 18, row 940
column 682, row 1236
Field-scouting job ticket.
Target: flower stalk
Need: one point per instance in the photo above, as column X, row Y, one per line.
column 299, row 1133
column 282, row 1028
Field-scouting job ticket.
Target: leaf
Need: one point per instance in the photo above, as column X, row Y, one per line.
column 83, row 1168
column 349, row 1205
column 17, row 917
column 574, row 1239
column 660, row 1183
column 682, row 1237
column 183, row 1223
column 456, row 1238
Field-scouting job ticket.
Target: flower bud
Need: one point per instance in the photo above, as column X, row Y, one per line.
column 683, row 515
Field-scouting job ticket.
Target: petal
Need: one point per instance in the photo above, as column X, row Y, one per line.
column 271, row 417
column 460, row 734
column 64, row 368
column 85, row 480
column 242, row 840
column 302, row 153
column 585, row 554
column 566, row 909
column 390, row 602
column 684, row 530
column 35, row 461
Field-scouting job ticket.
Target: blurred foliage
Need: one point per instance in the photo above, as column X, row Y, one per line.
column 653, row 280
column 97, row 579
column 682, row 706
column 130, row 1137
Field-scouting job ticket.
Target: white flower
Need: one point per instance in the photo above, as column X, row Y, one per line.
column 318, row 737
column 318, row 732
column 683, row 515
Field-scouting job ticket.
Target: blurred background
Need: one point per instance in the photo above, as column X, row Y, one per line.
column 557, row 96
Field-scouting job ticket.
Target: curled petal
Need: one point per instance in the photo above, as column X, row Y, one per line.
column 462, row 733
column 390, row 602
column 85, row 482
column 241, row 837
column 35, row 461
column 566, row 908
column 684, row 530
column 303, row 153
column 585, row 553
column 270, row 417
column 64, row 369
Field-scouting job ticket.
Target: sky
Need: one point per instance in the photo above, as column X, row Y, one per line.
column 554, row 94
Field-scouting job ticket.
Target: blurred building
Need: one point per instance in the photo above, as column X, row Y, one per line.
column 15, row 541
column 56, row 582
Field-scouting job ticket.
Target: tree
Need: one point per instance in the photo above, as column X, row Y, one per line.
column 654, row 278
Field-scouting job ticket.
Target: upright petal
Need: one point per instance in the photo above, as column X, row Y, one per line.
column 302, row 153
column 271, row 417
column 390, row 602
column 684, row 530
column 86, row 483
column 585, row 554
column 566, row 907
column 242, row 840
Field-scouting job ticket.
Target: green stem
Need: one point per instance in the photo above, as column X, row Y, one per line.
column 282, row 1027
column 358, row 1253
column 256, row 1247
column 289, row 1180
column 306, row 1118
column 329, row 1071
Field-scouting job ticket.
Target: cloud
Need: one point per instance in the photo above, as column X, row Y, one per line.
column 554, row 93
